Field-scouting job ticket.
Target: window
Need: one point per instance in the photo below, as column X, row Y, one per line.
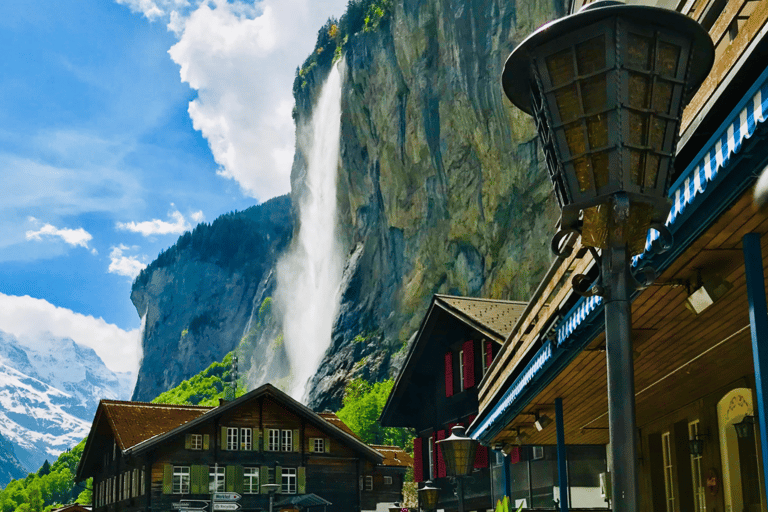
column 126, row 485
column 666, row 449
column 461, row 370
column 232, row 438
column 431, row 458
column 274, row 440
column 287, row 444
column 143, row 488
column 483, row 357
column 245, row 439
column 699, row 491
column 318, row 445
column 180, row 479
column 251, row 480
column 135, row 490
column 216, row 479
column 289, row 480
column 196, row 442
column 387, row 480
column 369, row 483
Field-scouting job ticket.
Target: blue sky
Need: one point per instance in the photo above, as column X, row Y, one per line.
column 122, row 124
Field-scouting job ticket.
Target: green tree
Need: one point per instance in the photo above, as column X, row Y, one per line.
column 363, row 403
column 44, row 469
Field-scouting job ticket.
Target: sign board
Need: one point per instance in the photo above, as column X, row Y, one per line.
column 190, row 505
column 226, row 496
column 226, row 506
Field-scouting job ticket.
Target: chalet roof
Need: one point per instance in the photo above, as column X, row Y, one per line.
column 334, row 420
column 73, row 507
column 394, row 456
column 496, row 316
column 135, row 422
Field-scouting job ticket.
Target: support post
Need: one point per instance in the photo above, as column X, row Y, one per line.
column 562, row 465
column 460, row 493
column 758, row 319
column 621, row 379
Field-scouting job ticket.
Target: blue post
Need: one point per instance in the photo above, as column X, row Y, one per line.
column 758, row 319
column 562, row 467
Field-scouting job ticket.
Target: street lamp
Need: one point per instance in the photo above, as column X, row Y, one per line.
column 606, row 87
column 270, row 489
column 459, row 456
column 746, row 427
column 429, row 495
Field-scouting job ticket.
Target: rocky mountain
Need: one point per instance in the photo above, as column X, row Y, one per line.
column 441, row 188
column 49, row 392
column 201, row 296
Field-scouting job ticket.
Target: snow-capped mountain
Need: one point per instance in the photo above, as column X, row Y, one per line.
column 49, row 393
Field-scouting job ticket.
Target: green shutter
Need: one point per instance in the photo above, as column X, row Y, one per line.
column 229, row 479
column 223, row 440
column 206, row 441
column 296, row 447
column 279, row 478
column 302, row 480
column 194, row 480
column 167, row 479
column 188, row 441
column 263, row 476
column 238, row 488
column 256, row 437
column 311, row 445
column 327, row 445
column 205, row 484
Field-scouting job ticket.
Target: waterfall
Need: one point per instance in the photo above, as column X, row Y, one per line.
column 309, row 274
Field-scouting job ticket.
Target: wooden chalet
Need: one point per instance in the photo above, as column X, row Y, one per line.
column 437, row 387
column 700, row 366
column 163, row 458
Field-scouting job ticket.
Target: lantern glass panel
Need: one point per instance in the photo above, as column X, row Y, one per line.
column 594, row 94
column 583, row 173
column 668, row 59
column 662, row 96
column 597, row 129
column 560, row 67
column 568, row 106
column 639, row 90
column 590, row 55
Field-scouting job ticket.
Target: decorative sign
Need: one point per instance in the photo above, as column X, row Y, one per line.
column 226, row 506
column 226, row 496
column 190, row 505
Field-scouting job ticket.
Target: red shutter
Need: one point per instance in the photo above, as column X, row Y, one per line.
column 418, row 460
column 488, row 353
column 469, row 364
column 448, row 374
column 440, row 460
column 514, row 455
column 481, row 457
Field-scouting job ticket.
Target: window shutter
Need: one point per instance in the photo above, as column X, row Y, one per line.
column 418, row 460
column 263, row 475
column 194, row 480
column 514, row 455
column 256, row 439
column 238, row 486
column 279, row 478
column 223, row 438
column 229, row 479
column 311, row 445
column 167, row 479
column 302, row 480
column 188, row 441
column 481, row 457
column 327, row 445
column 204, row 476
column 469, row 364
column 440, row 460
column 296, row 447
column 488, row 353
column 448, row 374
column 206, row 441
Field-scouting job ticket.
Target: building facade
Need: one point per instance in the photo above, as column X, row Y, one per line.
column 158, row 457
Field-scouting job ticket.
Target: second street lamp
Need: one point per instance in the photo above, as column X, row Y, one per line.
column 606, row 87
column 459, row 456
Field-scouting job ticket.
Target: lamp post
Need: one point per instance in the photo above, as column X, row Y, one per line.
column 429, row 495
column 270, row 489
column 459, row 456
column 606, row 87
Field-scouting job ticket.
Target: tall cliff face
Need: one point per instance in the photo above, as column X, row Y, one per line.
column 441, row 186
column 199, row 297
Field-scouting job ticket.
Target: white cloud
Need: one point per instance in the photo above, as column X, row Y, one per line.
column 241, row 61
column 197, row 216
column 159, row 227
column 33, row 320
column 122, row 265
column 73, row 237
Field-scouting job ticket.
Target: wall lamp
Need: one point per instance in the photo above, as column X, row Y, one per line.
column 707, row 292
column 746, row 427
column 542, row 421
column 696, row 445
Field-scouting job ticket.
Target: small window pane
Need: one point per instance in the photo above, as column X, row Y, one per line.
column 319, row 444
column 287, row 441
column 180, row 479
column 245, row 439
column 197, row 442
column 274, row 440
column 216, row 479
column 251, row 480
column 289, row 480
column 232, row 438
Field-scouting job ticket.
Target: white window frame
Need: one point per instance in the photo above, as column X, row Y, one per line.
column 126, row 485
column 289, row 480
column 286, row 440
column 483, row 360
column 431, row 443
column 274, row 440
column 461, row 370
column 181, row 479
column 669, row 485
column 196, row 442
column 135, row 481
column 250, row 480
column 232, row 438
column 387, row 480
column 143, row 482
column 246, row 442
column 216, row 475
column 699, row 484
column 368, row 483
column 319, row 444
